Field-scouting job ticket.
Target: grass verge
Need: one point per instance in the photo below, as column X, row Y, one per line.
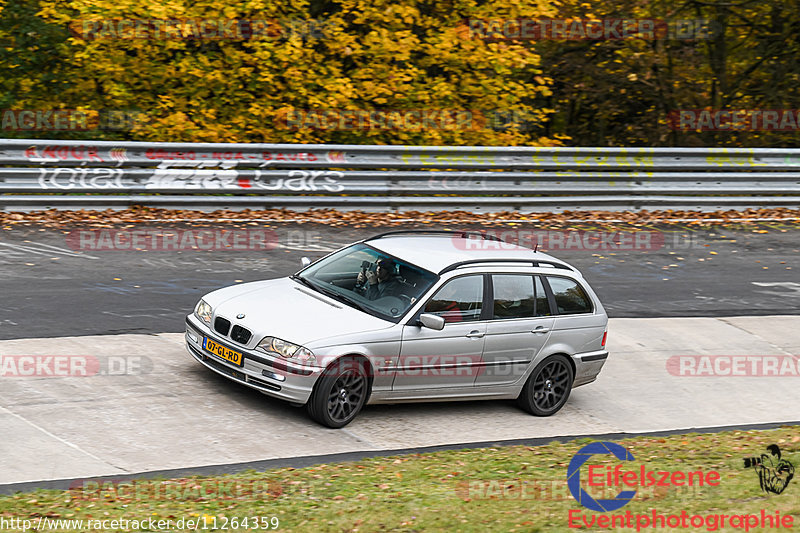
column 516, row 488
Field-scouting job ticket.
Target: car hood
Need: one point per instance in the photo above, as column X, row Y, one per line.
column 291, row 311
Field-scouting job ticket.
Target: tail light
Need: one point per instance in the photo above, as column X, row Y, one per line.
column 605, row 334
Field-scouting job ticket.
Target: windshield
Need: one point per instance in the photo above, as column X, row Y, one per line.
column 370, row 280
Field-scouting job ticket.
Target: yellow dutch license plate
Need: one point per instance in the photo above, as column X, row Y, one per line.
column 223, row 352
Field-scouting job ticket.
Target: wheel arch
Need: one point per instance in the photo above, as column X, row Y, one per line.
column 572, row 364
column 363, row 359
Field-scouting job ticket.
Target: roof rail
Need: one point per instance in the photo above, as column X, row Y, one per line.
column 533, row 262
column 462, row 233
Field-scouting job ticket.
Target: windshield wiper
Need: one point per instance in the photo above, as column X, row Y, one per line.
column 305, row 282
column 342, row 298
column 350, row 301
column 333, row 294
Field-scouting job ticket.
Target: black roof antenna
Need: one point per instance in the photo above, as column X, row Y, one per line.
column 536, row 248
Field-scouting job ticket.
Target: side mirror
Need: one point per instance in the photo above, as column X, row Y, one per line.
column 305, row 261
column 432, row 321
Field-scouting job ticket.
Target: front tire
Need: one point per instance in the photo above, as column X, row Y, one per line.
column 548, row 386
column 340, row 393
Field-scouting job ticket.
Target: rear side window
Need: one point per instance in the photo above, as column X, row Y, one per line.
column 513, row 296
column 519, row 296
column 459, row 300
column 570, row 297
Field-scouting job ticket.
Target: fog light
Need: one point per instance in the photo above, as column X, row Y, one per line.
column 273, row 375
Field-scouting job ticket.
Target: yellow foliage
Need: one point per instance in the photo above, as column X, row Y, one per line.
column 361, row 55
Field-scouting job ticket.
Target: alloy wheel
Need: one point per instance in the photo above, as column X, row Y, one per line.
column 346, row 395
column 551, row 384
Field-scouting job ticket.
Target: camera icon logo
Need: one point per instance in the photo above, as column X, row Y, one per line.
column 774, row 472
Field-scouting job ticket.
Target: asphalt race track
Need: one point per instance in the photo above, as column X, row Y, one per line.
column 155, row 408
column 51, row 287
column 150, row 407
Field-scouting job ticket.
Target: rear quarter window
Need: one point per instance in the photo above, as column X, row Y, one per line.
column 570, row 297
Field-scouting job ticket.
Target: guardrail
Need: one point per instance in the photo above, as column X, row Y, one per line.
column 41, row 174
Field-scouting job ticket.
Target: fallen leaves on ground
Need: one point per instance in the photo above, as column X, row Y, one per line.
column 357, row 219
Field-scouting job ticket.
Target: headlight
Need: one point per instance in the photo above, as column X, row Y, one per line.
column 283, row 348
column 287, row 350
column 203, row 312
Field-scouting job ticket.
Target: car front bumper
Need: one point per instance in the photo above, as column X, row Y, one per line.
column 271, row 376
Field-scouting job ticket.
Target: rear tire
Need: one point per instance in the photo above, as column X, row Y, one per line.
column 340, row 393
column 548, row 386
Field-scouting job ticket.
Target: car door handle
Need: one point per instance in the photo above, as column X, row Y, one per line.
column 475, row 334
column 540, row 329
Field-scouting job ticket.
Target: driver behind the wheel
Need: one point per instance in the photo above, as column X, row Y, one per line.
column 383, row 282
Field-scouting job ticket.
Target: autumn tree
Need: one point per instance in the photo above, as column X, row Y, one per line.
column 337, row 55
column 716, row 54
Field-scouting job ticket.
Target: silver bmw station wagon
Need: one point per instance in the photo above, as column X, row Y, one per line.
column 408, row 316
